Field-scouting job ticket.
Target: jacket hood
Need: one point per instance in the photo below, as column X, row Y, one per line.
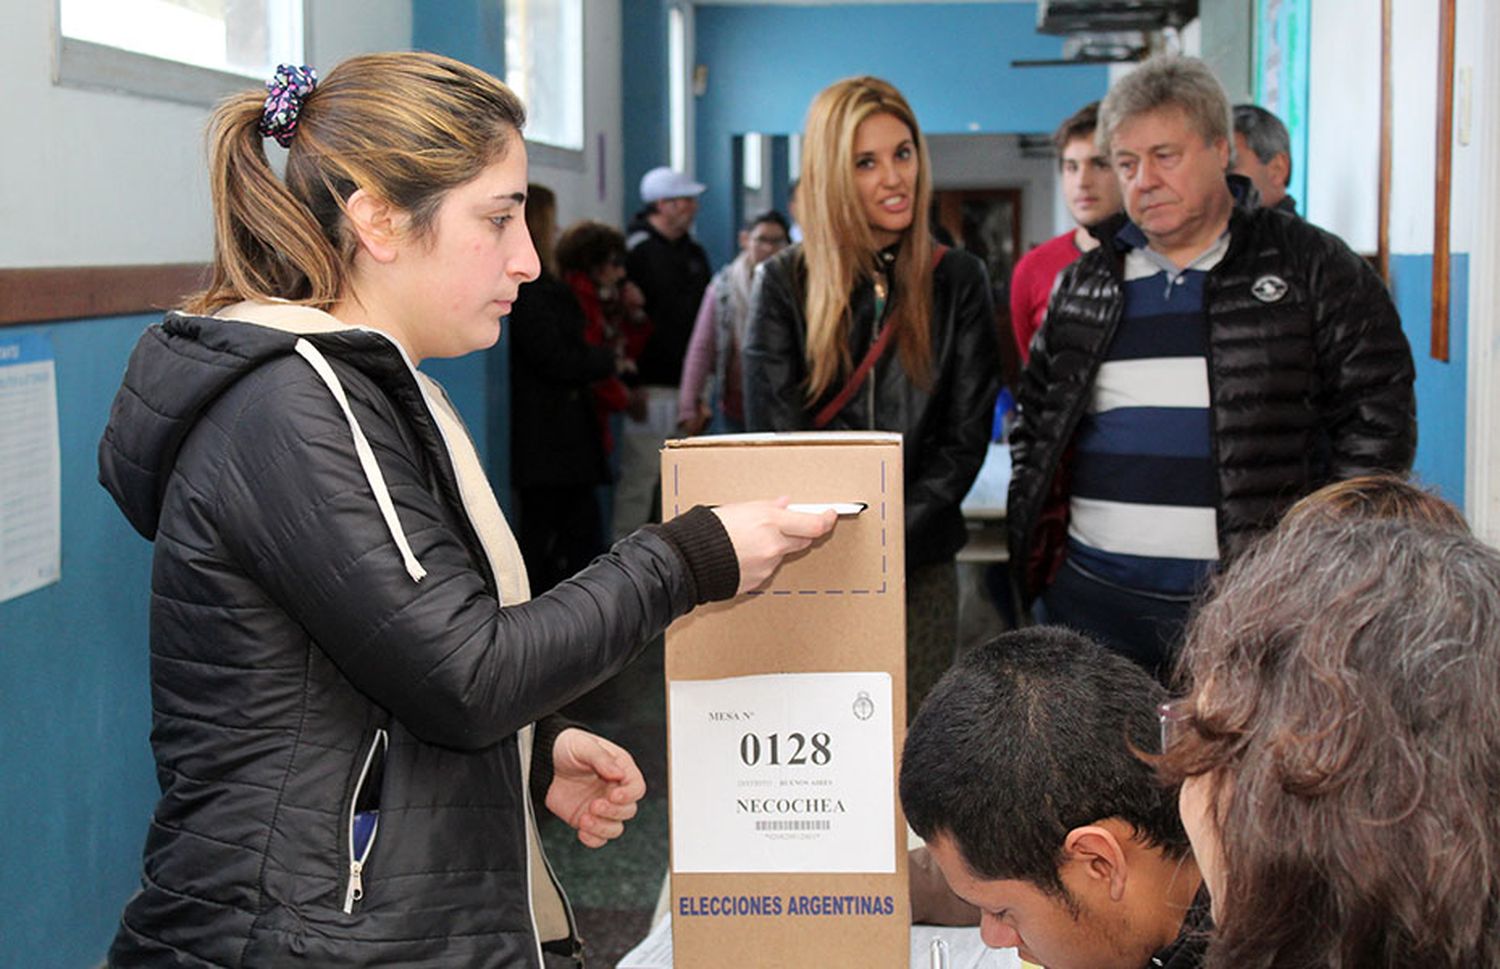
column 180, row 366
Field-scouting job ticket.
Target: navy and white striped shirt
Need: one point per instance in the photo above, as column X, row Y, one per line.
column 1144, row 490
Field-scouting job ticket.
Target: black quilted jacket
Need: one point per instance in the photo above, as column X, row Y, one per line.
column 946, row 430
column 297, row 666
column 1310, row 381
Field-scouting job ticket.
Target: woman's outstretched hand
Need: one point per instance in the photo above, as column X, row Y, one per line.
column 764, row 532
column 595, row 786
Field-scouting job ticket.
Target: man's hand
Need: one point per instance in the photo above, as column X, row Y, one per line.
column 595, row 786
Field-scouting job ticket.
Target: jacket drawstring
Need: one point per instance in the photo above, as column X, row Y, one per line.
column 366, row 458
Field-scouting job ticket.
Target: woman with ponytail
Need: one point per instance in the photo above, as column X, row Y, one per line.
column 353, row 693
column 868, row 325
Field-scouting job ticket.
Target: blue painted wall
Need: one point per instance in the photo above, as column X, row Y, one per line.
column 473, row 31
column 644, row 93
column 1442, row 388
column 79, row 783
column 952, row 61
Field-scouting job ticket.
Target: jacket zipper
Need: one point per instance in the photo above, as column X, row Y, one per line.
column 356, row 888
column 531, row 831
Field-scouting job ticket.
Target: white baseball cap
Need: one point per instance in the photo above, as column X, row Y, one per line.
column 665, row 183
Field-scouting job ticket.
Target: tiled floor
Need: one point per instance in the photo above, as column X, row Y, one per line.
column 614, row 889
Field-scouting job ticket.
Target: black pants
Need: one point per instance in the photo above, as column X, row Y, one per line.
column 560, row 532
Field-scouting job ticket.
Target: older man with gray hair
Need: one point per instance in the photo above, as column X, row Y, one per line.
column 1207, row 365
column 1263, row 154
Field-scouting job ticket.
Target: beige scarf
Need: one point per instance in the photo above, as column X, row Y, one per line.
column 510, row 573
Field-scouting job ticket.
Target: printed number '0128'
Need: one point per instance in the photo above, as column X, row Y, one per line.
column 799, row 748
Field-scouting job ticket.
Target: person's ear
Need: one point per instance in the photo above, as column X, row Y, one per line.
column 1281, row 167
column 1221, row 148
column 743, row 238
column 378, row 225
column 1099, row 856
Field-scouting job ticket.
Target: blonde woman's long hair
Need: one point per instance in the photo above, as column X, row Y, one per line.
column 838, row 247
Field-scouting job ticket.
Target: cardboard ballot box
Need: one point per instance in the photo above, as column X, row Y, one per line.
column 786, row 713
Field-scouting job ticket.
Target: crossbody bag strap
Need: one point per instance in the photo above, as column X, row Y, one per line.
column 857, row 378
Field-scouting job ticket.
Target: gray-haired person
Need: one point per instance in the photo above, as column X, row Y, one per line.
column 1263, row 154
column 1339, row 746
column 1207, row 365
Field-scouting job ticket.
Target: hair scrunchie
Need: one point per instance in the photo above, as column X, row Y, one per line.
column 285, row 91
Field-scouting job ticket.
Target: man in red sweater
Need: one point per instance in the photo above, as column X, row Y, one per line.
column 1092, row 195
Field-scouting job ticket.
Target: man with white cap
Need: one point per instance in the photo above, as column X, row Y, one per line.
column 672, row 270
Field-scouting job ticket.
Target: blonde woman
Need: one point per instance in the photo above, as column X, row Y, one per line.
column 868, row 325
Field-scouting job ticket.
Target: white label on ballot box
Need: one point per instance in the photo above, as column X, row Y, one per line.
column 790, row 772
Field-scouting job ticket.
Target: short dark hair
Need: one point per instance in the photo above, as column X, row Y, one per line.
column 770, row 215
column 1079, row 124
column 1264, row 133
column 586, row 246
column 1028, row 737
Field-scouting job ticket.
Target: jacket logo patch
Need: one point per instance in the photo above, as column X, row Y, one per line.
column 1269, row 289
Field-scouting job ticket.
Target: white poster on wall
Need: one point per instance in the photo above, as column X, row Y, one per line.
column 787, row 772
column 30, row 467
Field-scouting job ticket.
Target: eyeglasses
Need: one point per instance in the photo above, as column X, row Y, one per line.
column 1175, row 718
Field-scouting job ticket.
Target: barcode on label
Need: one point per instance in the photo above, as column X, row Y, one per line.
column 792, row 826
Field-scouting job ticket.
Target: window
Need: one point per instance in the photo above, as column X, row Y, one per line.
column 544, row 66
column 754, row 161
column 181, row 50
column 677, row 86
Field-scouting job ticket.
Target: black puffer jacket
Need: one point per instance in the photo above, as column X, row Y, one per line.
column 1310, row 381
column 946, row 429
column 293, row 653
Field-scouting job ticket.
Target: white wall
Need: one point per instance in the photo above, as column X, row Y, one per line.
column 101, row 178
column 1479, row 30
column 995, row 161
column 578, row 188
column 1343, row 142
column 1344, row 131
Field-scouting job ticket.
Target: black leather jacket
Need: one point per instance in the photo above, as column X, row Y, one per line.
column 946, row 428
column 297, row 665
column 1310, row 381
